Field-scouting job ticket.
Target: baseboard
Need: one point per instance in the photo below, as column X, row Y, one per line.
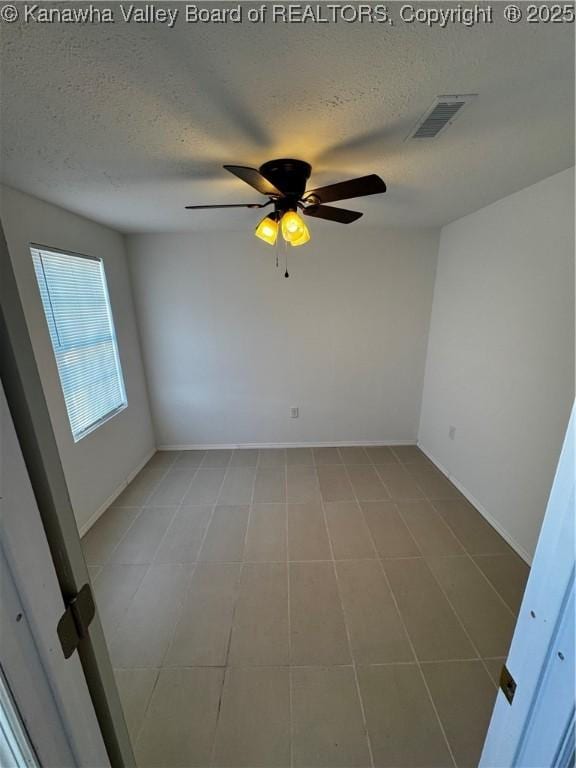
column 518, row 548
column 83, row 530
column 314, row 444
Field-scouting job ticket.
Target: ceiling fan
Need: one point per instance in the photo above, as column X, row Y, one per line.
column 283, row 182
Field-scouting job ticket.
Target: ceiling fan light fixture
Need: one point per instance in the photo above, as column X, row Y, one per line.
column 304, row 238
column 267, row 230
column 293, row 227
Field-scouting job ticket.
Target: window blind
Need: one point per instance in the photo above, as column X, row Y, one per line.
column 77, row 308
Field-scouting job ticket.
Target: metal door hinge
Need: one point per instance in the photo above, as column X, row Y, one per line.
column 75, row 620
column 507, row 684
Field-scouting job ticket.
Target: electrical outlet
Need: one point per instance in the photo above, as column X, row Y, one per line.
column 294, row 413
column 451, row 432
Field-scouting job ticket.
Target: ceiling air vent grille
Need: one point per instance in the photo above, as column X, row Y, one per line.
column 439, row 116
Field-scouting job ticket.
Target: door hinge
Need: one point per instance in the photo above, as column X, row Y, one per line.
column 507, row 684
column 75, row 620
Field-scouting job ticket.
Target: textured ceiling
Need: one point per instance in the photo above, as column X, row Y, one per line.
column 127, row 123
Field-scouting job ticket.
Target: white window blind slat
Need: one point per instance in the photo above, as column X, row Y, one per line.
column 77, row 308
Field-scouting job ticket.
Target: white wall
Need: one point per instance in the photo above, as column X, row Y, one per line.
column 500, row 361
column 230, row 345
column 98, row 466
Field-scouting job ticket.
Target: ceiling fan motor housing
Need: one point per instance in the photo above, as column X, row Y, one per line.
column 290, row 176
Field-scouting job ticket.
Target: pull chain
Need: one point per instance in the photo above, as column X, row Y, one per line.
column 286, row 259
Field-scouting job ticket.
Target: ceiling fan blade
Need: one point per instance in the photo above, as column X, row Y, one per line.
column 330, row 213
column 233, row 205
column 360, row 187
column 254, row 178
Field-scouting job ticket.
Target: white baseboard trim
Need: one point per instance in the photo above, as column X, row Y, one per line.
column 332, row 444
column 83, row 529
column 518, row 548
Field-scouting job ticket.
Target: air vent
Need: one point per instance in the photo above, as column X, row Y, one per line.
column 439, row 116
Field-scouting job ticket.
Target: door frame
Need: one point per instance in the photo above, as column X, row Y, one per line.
column 27, row 405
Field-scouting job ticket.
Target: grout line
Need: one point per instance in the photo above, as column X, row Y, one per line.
column 409, row 639
column 290, row 702
column 225, row 666
column 348, row 638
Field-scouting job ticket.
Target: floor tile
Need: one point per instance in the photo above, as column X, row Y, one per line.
column 494, row 667
column 400, row 485
column 254, row 724
column 326, row 456
column 375, row 627
column 353, row 454
column 184, row 537
column 172, row 488
column 143, row 538
column 367, row 484
column 203, row 631
column 302, row 484
column 508, row 574
column 114, row 590
column 238, row 486
column 328, row 729
column 431, row 533
column 189, row 459
column 163, row 460
column 105, row 535
column 307, row 535
column 488, row 621
column 144, row 634
column 348, row 531
column 272, row 457
column 270, row 485
column 266, row 537
column 389, row 532
column 260, row 633
column 318, row 633
column 299, row 457
column 464, row 697
column 141, row 488
column 381, row 454
column 245, row 457
column 226, row 535
column 135, row 689
column 216, row 459
column 334, row 483
column 431, row 623
column 403, row 727
column 476, row 535
column 205, row 487
column 178, row 731
column 434, row 484
column 410, row 454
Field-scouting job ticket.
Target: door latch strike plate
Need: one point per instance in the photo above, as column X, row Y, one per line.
column 75, row 620
column 507, row 684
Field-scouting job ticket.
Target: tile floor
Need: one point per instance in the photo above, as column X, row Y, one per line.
column 303, row 607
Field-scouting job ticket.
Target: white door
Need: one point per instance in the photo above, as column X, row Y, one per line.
column 49, row 692
column 536, row 729
column 67, row 700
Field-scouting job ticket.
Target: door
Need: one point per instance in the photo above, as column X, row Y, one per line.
column 536, row 728
column 67, row 702
column 48, row 692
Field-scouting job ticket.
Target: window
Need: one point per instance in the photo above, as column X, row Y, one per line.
column 77, row 309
